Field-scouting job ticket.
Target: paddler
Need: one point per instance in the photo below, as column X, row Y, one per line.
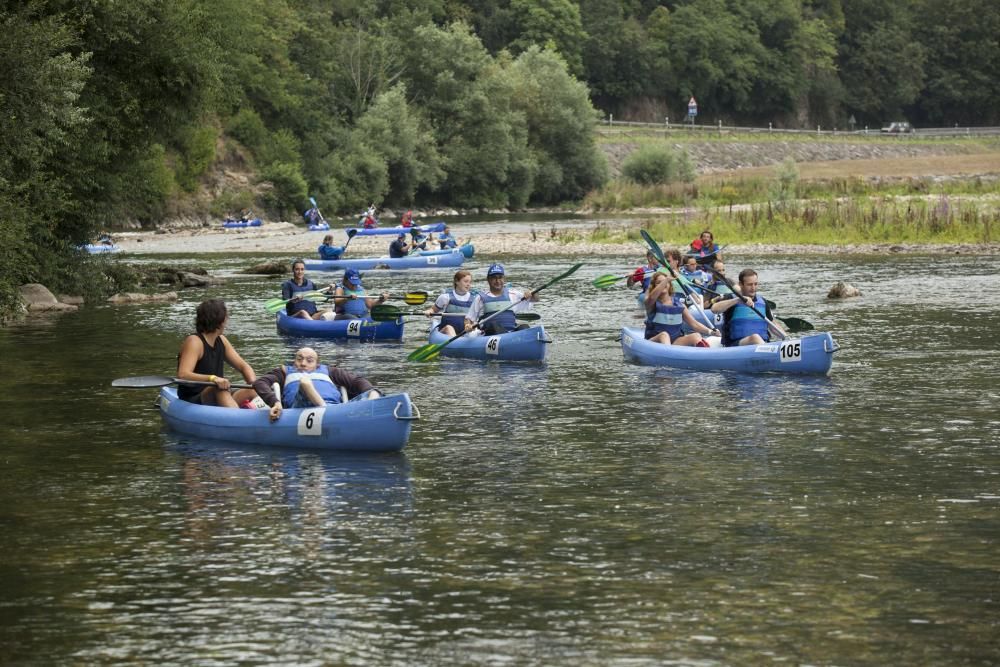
column 498, row 297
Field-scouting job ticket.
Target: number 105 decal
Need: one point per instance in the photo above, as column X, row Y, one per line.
column 791, row 350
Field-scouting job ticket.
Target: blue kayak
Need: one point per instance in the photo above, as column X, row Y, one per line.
column 811, row 354
column 100, row 248
column 364, row 329
column 524, row 345
column 467, row 249
column 375, row 231
column 380, row 425
column 450, row 259
column 319, row 226
column 241, row 224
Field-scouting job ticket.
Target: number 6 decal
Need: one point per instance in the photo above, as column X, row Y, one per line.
column 311, row 421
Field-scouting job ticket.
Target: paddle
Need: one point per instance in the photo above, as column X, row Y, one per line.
column 793, row 324
column 432, row 350
column 658, row 254
column 351, row 233
column 149, row 381
column 610, row 279
column 770, row 325
column 385, row 312
column 274, row 305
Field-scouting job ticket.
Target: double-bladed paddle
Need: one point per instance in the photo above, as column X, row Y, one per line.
column 432, row 350
column 274, row 305
column 149, row 381
column 385, row 312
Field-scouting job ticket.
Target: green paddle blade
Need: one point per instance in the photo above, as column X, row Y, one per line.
column 607, row 281
column 385, row 312
column 274, row 305
column 425, row 352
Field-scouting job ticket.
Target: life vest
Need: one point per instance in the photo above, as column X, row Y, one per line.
column 369, row 222
column 666, row 317
column 357, row 307
column 492, row 304
column 290, row 289
column 320, row 377
column 696, row 276
column 330, row 251
column 454, row 312
column 447, row 241
column 741, row 322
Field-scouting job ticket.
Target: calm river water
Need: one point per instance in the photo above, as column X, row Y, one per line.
column 583, row 511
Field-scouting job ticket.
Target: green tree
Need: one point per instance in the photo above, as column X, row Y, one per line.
column 550, row 23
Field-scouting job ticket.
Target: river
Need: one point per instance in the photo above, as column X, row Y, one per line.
column 581, row 511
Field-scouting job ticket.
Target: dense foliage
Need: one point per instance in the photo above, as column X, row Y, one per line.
column 125, row 110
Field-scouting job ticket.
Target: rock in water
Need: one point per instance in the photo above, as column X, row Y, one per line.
column 843, row 290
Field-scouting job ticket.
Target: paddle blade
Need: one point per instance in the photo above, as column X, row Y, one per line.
column 415, row 298
column 528, row 317
column 274, row 305
column 385, row 313
column 143, row 382
column 606, row 281
column 425, row 352
column 796, row 324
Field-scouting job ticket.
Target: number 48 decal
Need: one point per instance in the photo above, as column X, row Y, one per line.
column 791, row 350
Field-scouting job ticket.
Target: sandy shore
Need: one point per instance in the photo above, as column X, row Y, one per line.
column 283, row 238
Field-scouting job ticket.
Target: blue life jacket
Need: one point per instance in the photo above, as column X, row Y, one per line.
column 492, row 304
column 357, row 307
column 454, row 312
column 697, row 276
column 666, row 317
column 447, row 241
column 330, row 251
column 741, row 322
column 289, row 289
column 320, row 377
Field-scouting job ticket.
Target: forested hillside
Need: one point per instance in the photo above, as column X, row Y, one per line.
column 114, row 110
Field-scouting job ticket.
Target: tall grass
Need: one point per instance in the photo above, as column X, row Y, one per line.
column 834, row 222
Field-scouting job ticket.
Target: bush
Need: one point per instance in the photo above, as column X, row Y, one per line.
column 655, row 165
column 290, row 186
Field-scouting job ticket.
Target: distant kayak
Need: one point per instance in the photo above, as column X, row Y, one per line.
column 319, row 227
column 467, row 249
column 374, row 231
column 241, row 224
column 363, row 329
column 448, row 260
column 99, row 248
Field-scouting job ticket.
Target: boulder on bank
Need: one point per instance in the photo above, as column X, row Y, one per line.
column 843, row 290
column 38, row 299
column 178, row 277
column 269, row 269
column 138, row 297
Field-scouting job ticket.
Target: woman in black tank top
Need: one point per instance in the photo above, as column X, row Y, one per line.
column 201, row 359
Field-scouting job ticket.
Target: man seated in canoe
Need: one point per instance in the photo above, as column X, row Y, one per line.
column 705, row 249
column 201, row 357
column 741, row 326
column 498, row 297
column 399, row 247
column 356, row 305
column 693, row 272
column 446, row 240
column 305, row 383
column 329, row 251
column 666, row 315
column 298, row 306
column 453, row 304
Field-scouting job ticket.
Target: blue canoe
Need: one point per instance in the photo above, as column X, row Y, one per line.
column 319, row 227
column 374, row 231
column 100, row 248
column 807, row 355
column 241, row 224
column 524, row 345
column 380, row 425
column 467, row 249
column 364, row 329
column 447, row 260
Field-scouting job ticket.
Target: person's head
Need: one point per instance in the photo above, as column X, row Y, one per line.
column 495, row 276
column 462, row 280
column 401, row 237
column 352, row 278
column 659, row 278
column 328, row 239
column 210, row 316
column 674, row 257
column 446, row 229
column 748, row 282
column 707, row 239
column 306, row 359
column 651, row 258
column 298, row 269
column 690, row 263
column 719, row 266
column 415, row 233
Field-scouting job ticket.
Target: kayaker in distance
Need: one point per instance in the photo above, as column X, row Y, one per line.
column 453, row 304
column 666, row 314
column 370, row 221
column 358, row 305
column 297, row 306
column 446, row 240
column 329, row 251
column 644, row 273
column 201, row 359
column 399, row 247
column 741, row 326
column 498, row 297
column 407, row 219
column 418, row 240
column 305, row 383
column 704, row 248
